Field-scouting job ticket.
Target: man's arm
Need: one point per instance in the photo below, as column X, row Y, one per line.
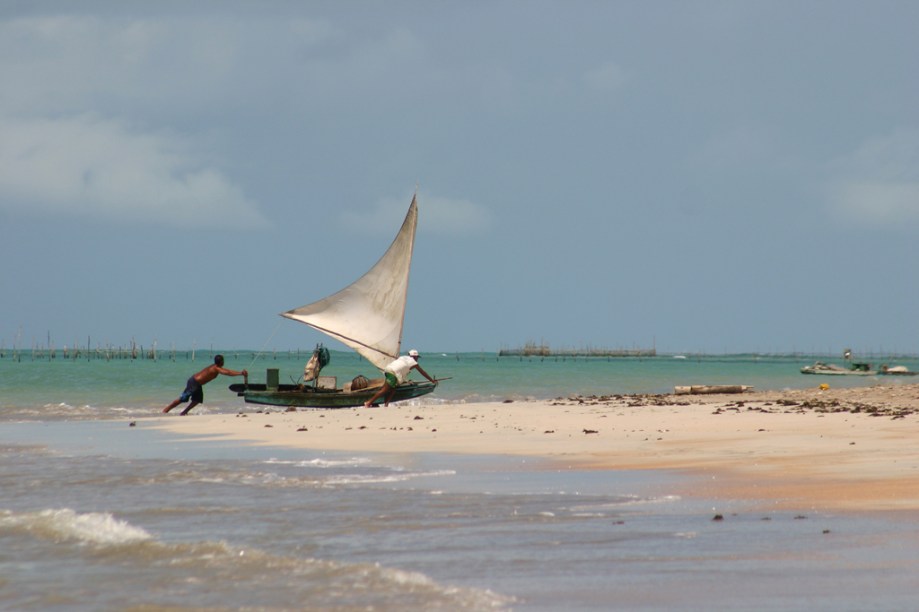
column 425, row 374
column 227, row 372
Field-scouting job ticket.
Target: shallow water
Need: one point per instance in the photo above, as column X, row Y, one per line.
column 97, row 514
column 100, row 515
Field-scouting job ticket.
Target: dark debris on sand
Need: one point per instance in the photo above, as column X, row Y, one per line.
column 760, row 403
column 632, row 401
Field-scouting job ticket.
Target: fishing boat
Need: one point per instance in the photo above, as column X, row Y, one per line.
column 831, row 369
column 368, row 317
column 896, row 371
column 307, row 396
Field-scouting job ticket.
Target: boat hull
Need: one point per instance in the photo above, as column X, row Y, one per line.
column 830, row 373
column 292, row 396
column 832, row 370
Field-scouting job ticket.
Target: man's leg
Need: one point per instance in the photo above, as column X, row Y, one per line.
column 389, row 396
column 377, row 395
column 190, row 406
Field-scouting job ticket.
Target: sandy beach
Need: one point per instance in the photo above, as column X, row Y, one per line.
column 834, row 449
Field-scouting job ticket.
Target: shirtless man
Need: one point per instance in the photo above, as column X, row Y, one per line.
column 194, row 388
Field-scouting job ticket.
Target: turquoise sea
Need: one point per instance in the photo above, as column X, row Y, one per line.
column 98, row 511
column 110, row 384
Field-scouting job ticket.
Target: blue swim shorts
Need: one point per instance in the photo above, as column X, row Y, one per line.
column 193, row 391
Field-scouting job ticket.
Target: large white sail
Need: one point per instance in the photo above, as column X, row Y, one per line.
column 367, row 315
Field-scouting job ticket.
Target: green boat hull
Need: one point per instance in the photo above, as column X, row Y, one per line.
column 293, row 396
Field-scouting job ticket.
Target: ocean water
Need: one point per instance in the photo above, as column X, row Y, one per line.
column 37, row 386
column 97, row 514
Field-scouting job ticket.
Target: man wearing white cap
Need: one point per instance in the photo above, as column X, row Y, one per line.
column 395, row 374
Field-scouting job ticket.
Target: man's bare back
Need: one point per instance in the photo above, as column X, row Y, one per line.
column 210, row 373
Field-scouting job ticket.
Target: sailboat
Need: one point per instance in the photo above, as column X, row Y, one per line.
column 367, row 316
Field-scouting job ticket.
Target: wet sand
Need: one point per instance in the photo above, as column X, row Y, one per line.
column 835, row 449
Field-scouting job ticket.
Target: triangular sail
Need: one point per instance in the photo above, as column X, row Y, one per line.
column 367, row 315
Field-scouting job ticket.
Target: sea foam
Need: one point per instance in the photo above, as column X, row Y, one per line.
column 96, row 528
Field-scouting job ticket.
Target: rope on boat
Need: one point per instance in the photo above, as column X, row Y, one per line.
column 262, row 350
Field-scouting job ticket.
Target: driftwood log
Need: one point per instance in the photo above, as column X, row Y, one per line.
column 706, row 389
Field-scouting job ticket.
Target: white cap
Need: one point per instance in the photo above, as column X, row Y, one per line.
column 413, row 353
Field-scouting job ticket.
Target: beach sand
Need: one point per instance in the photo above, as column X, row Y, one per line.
column 836, row 449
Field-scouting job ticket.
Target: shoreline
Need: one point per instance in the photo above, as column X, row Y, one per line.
column 849, row 449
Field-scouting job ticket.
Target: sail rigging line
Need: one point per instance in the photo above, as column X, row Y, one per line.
column 355, row 341
column 262, row 350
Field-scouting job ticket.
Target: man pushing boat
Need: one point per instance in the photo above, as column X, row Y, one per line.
column 194, row 388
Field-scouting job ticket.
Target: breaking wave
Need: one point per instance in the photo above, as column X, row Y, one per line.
column 213, row 572
column 97, row 528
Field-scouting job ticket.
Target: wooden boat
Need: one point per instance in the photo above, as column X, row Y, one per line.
column 300, row 396
column 367, row 316
column 831, row 369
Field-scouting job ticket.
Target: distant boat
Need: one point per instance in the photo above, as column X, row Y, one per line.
column 367, row 316
column 831, row 369
column 896, row 371
column 679, row 356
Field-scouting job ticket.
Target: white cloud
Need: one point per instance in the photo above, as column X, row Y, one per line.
column 456, row 216
column 888, row 204
column 62, row 153
column 607, row 77
column 63, row 62
column 878, row 184
column 87, row 166
column 436, row 214
column 155, row 65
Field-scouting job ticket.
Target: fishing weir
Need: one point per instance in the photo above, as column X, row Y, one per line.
column 543, row 350
column 135, row 352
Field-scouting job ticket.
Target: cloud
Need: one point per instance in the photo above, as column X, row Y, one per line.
column 456, row 216
column 881, row 204
column 436, row 214
column 606, row 77
column 878, row 183
column 157, row 65
column 89, row 166
column 80, row 96
column 63, row 63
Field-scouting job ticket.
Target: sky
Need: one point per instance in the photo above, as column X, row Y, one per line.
column 705, row 176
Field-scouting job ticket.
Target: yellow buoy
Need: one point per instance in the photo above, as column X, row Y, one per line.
column 824, row 386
